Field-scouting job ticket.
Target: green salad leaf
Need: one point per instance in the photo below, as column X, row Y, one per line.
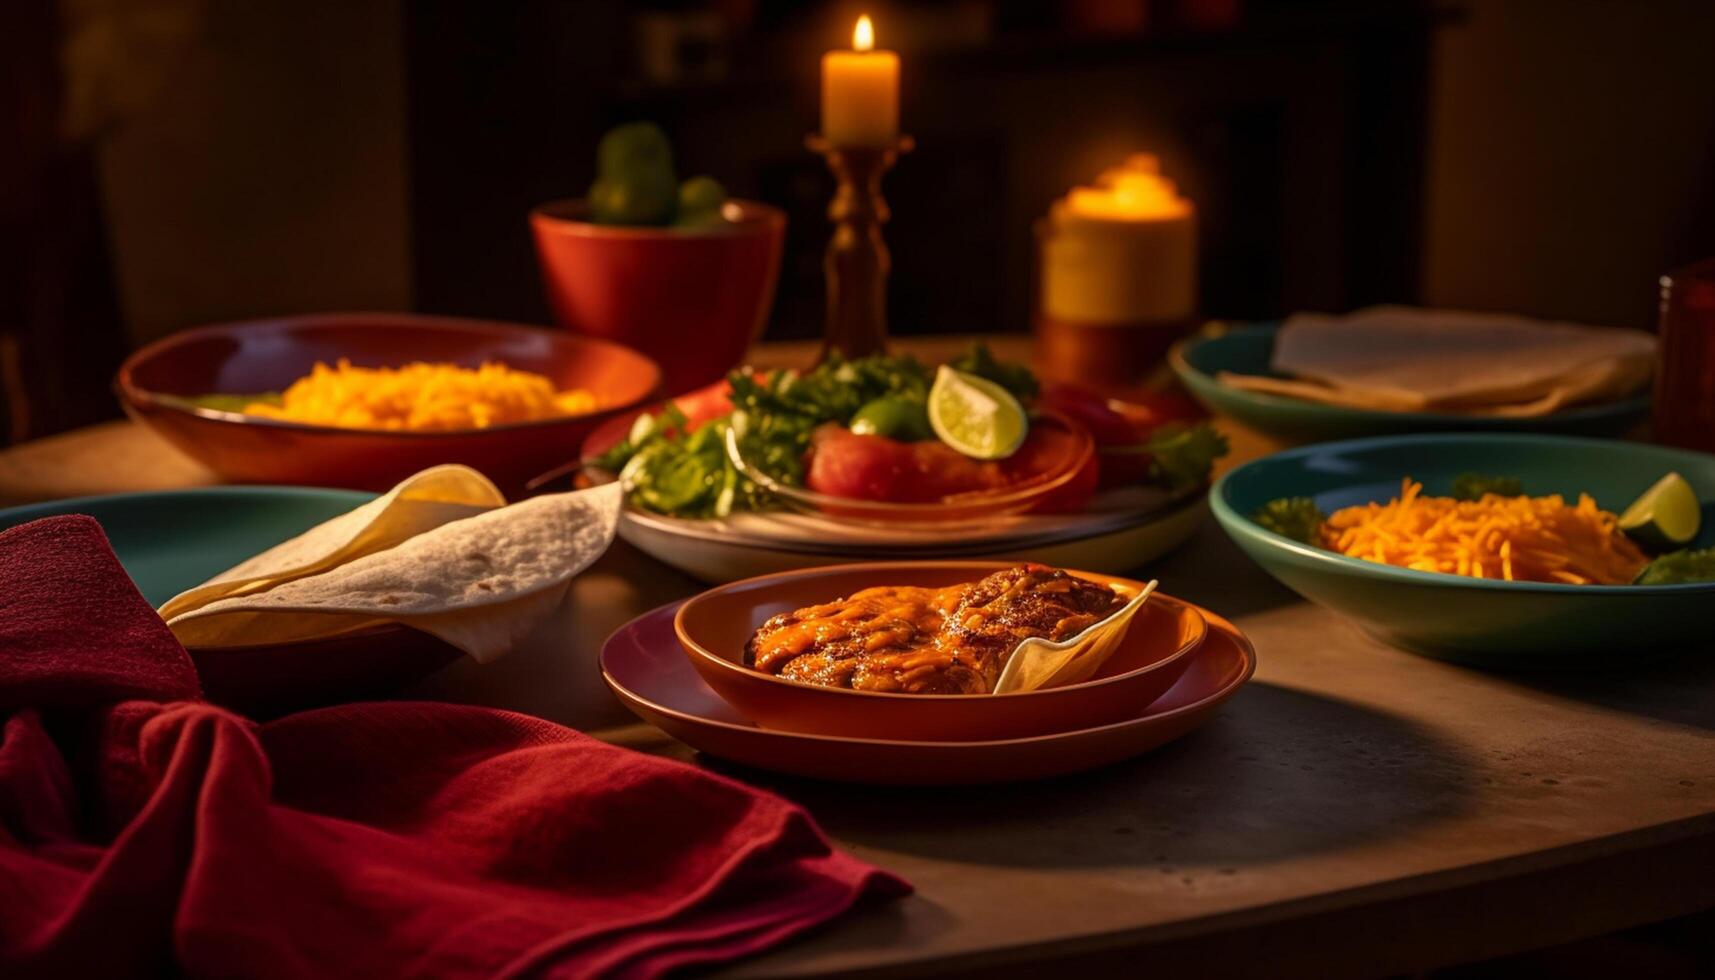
column 674, row 468
column 1685, row 565
column 833, row 391
column 1297, row 518
column 1472, row 486
column 1183, row 455
column 230, row 403
column 669, row 423
column 688, row 473
column 1015, row 378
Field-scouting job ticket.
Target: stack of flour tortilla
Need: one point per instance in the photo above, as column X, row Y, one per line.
column 441, row 552
column 1404, row 359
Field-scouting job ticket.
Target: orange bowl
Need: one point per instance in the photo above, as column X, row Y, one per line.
column 694, row 299
column 268, row 355
column 713, row 628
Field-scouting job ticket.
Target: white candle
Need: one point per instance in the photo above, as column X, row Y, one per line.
column 860, row 92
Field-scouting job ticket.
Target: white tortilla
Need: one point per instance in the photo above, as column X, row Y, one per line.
column 481, row 583
column 420, row 503
column 1398, row 358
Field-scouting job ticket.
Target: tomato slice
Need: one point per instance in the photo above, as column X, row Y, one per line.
column 1091, row 410
column 703, row 404
column 842, row 463
column 1121, row 427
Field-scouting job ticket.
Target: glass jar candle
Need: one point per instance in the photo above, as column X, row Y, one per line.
column 1116, row 276
column 1684, row 413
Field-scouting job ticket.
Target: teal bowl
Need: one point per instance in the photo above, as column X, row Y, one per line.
column 171, row 540
column 1506, row 625
column 1248, row 349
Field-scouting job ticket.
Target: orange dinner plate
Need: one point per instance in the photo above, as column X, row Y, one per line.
column 644, row 666
column 713, row 628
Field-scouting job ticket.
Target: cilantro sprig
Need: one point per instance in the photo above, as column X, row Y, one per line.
column 1677, row 567
column 1297, row 518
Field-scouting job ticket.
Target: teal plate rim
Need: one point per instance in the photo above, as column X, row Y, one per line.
column 13, row 516
column 1179, row 359
column 1237, row 523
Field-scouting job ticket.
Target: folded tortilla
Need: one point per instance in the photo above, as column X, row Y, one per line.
column 419, row 503
column 481, row 582
column 1404, row 359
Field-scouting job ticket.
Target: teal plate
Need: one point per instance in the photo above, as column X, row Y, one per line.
column 1247, row 350
column 1508, row 625
column 172, row 540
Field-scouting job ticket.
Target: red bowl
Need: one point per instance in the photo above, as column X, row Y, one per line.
column 713, row 628
column 268, row 355
column 694, row 299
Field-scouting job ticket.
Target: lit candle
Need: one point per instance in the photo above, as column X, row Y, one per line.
column 1118, row 275
column 860, row 92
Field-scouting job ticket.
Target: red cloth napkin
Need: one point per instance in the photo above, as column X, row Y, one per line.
column 161, row 835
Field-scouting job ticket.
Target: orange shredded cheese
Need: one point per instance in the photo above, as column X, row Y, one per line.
column 1524, row 539
column 423, row 397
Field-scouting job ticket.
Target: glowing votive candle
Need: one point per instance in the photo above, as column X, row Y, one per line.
column 1118, row 276
column 1121, row 251
column 860, row 92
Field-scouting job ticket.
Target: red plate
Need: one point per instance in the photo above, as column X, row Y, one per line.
column 644, row 666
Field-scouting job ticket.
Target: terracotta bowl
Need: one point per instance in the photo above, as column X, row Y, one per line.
column 268, row 355
column 692, row 299
column 645, row 670
column 714, row 627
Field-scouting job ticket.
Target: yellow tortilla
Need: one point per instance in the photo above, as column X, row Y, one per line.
column 1405, row 359
column 418, row 504
column 1038, row 663
column 480, row 583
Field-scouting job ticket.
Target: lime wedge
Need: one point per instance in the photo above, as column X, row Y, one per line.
column 1667, row 516
column 975, row 416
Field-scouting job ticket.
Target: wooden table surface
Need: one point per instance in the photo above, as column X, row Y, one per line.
column 1354, row 811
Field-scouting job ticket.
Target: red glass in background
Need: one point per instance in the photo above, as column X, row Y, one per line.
column 1685, row 376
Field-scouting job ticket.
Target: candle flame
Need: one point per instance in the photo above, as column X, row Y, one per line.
column 1134, row 190
column 863, row 35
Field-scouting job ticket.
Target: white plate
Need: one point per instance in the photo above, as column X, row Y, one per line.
column 1107, row 539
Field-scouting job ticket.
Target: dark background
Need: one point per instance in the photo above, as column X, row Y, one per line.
column 192, row 161
column 1296, row 127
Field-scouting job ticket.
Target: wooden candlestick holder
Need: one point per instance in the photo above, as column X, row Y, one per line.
column 856, row 266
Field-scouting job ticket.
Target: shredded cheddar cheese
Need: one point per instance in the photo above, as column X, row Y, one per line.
column 423, row 397
column 1525, row 539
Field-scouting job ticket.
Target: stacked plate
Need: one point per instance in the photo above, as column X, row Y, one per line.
column 1123, row 530
column 1120, row 529
column 681, row 667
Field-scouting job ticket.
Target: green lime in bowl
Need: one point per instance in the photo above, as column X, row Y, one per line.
column 1483, row 622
